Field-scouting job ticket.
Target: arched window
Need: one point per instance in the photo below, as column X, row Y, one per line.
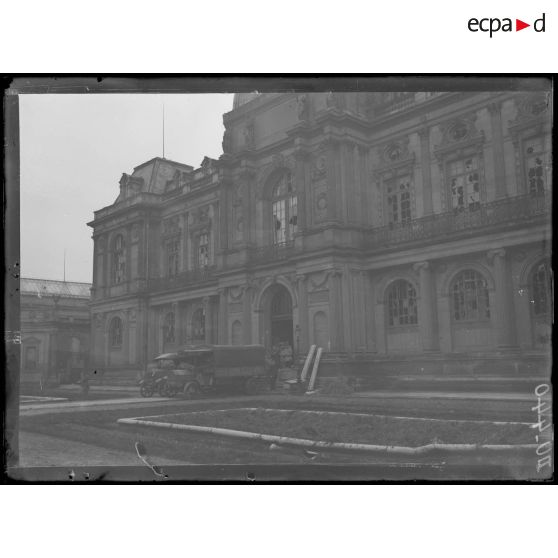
column 118, row 260
column 115, row 332
column 469, row 293
column 168, row 328
column 198, row 325
column 541, row 289
column 402, row 304
column 284, row 205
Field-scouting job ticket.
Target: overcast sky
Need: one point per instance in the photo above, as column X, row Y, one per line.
column 74, row 149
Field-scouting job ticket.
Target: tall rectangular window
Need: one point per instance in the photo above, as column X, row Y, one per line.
column 399, row 200
column 172, row 250
column 535, row 167
column 279, row 220
column 203, row 250
column 464, row 184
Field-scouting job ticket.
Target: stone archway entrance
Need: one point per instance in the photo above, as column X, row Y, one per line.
column 278, row 316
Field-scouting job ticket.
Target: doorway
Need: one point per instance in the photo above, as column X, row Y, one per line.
column 281, row 317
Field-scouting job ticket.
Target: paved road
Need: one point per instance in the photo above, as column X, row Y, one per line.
column 40, row 450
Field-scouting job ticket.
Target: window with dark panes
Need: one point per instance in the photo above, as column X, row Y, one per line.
column 541, row 289
column 198, row 325
column 203, row 250
column 399, row 200
column 284, row 210
column 402, row 304
column 535, row 166
column 469, row 294
column 115, row 332
column 118, row 260
column 464, row 184
column 172, row 251
column 168, row 328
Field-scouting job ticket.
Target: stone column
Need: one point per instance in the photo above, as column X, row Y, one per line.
column 427, row 315
column 504, row 313
column 224, row 208
column 334, row 203
column 247, row 315
column 359, row 306
column 223, row 317
column 303, row 313
column 207, row 306
column 95, row 285
column 175, row 307
column 369, row 312
column 128, row 276
column 106, row 272
column 301, row 188
column 498, row 149
column 247, row 211
column 424, row 134
column 336, row 310
column 380, row 322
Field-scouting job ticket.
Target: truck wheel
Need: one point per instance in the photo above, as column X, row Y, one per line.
column 191, row 390
column 170, row 390
column 146, row 390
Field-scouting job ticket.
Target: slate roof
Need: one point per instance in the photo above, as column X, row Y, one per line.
column 48, row 287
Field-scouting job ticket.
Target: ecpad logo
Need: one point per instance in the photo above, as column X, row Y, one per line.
column 494, row 24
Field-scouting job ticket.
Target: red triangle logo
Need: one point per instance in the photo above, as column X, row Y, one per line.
column 519, row 25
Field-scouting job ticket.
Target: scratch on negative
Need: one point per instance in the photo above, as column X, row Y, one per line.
column 157, row 471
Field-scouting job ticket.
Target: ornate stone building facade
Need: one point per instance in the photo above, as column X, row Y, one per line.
column 404, row 230
column 55, row 329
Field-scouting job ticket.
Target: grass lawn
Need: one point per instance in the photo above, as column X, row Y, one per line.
column 355, row 428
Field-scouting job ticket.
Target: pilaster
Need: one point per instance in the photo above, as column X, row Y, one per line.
column 498, row 149
column 301, row 282
column 427, row 310
column 424, row 135
column 504, row 313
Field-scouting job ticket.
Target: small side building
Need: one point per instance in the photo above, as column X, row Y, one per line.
column 55, row 330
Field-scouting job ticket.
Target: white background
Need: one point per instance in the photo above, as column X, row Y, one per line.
column 274, row 521
column 272, row 36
